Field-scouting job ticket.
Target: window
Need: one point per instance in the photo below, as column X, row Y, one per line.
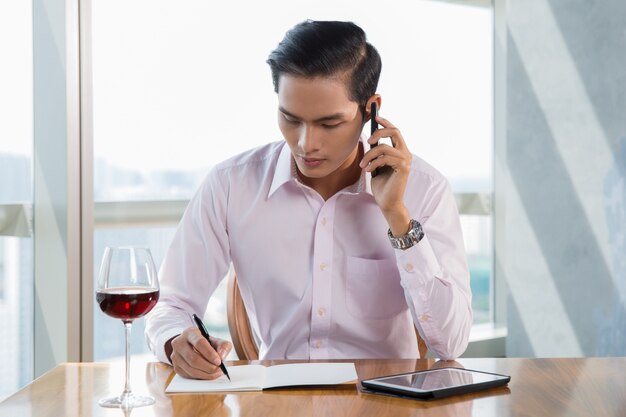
column 171, row 99
column 16, row 270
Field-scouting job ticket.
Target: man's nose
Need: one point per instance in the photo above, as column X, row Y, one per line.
column 309, row 140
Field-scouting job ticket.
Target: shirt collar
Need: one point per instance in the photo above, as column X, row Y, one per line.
column 285, row 172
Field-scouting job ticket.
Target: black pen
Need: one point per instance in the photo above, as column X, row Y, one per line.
column 204, row 332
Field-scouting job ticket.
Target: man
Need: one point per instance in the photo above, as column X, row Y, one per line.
column 331, row 262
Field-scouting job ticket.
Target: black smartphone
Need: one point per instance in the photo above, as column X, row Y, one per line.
column 373, row 122
column 374, row 127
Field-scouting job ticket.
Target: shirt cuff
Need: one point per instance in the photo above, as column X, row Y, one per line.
column 159, row 349
column 418, row 264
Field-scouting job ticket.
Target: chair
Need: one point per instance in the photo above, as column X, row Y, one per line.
column 241, row 332
column 238, row 322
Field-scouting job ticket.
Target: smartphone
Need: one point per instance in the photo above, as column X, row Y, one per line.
column 374, row 128
column 373, row 122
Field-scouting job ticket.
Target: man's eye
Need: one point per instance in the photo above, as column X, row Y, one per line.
column 290, row 120
column 331, row 126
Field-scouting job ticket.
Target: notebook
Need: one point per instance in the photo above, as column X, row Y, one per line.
column 260, row 377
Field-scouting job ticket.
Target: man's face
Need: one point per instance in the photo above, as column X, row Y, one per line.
column 320, row 124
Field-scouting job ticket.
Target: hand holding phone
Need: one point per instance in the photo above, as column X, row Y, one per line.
column 391, row 164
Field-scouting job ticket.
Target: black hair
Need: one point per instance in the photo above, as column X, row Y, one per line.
column 326, row 49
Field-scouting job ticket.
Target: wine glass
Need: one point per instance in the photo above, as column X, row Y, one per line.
column 127, row 289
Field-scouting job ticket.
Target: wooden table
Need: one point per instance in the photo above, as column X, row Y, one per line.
column 539, row 387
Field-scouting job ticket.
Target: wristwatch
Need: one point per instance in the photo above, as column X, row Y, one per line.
column 413, row 236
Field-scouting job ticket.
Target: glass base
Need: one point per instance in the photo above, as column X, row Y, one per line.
column 126, row 401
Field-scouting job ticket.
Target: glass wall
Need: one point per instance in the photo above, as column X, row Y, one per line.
column 16, row 195
column 180, row 86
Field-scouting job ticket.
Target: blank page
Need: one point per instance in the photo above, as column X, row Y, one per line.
column 294, row 374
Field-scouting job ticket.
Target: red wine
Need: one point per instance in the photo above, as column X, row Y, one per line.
column 127, row 303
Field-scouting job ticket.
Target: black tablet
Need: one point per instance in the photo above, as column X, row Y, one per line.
column 436, row 383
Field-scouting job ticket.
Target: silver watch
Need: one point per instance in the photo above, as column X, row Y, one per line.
column 413, row 236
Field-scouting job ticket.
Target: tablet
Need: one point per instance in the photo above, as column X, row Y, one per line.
column 436, row 383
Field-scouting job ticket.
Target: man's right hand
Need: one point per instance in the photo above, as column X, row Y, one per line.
column 194, row 357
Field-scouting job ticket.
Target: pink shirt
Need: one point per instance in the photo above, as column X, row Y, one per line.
column 319, row 279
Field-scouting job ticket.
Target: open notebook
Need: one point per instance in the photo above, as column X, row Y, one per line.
column 259, row 377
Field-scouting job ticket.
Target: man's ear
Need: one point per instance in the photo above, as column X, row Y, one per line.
column 376, row 98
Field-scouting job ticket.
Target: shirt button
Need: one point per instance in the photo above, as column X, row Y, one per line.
column 323, row 266
column 408, row 267
column 321, row 312
column 323, row 221
column 317, row 344
column 424, row 317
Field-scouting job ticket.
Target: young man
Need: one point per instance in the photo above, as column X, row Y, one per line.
column 331, row 262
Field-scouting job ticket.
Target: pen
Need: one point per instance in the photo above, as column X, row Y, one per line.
column 204, row 332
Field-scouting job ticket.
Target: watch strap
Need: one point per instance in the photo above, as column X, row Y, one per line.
column 411, row 238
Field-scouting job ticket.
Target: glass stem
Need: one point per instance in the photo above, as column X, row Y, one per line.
column 127, row 327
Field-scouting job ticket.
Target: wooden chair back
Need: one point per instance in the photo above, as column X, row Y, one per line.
column 238, row 322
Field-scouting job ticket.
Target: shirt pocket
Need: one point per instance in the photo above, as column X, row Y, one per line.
column 373, row 289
